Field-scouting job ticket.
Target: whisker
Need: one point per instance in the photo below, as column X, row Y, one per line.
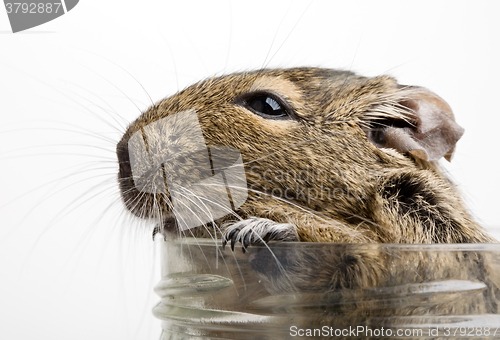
column 278, row 262
column 58, row 180
column 290, row 33
column 214, row 238
column 55, row 145
column 274, row 37
column 230, row 34
column 64, row 212
column 381, row 100
column 172, row 57
column 110, row 112
column 180, row 218
column 320, row 216
column 127, row 72
column 86, row 109
column 210, row 201
column 85, row 132
column 116, row 87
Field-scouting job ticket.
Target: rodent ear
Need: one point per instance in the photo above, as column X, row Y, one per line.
column 430, row 133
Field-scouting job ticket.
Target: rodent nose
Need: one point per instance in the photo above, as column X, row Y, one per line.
column 124, row 161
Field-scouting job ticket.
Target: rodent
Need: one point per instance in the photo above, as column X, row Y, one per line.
column 369, row 149
column 368, row 146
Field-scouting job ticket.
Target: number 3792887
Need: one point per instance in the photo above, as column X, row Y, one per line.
column 470, row 331
column 42, row 7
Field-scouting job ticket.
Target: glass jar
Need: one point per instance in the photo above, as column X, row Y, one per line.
column 323, row 290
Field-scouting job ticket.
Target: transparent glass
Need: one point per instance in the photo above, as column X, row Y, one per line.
column 324, row 290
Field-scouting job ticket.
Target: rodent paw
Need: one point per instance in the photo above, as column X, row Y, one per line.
column 254, row 231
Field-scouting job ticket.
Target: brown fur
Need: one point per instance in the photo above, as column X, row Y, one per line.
column 358, row 192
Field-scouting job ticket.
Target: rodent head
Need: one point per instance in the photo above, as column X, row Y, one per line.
column 358, row 151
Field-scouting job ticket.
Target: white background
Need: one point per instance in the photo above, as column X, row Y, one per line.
column 73, row 264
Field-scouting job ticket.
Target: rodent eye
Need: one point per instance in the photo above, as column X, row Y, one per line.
column 264, row 104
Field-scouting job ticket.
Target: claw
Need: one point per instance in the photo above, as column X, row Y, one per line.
column 156, row 231
column 257, row 231
column 234, row 238
column 246, row 240
column 269, row 236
